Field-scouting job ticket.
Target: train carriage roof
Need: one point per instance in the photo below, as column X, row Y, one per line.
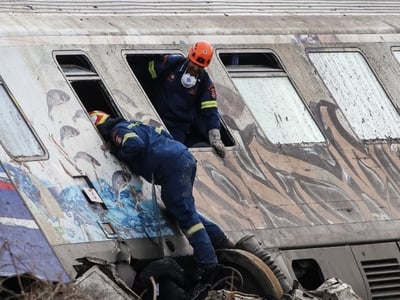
column 228, row 7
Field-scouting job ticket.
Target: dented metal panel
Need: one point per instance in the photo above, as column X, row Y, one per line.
column 96, row 284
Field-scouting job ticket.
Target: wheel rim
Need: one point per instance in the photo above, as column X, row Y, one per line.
column 256, row 275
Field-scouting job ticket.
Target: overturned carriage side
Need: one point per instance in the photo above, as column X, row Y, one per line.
column 311, row 171
column 330, row 206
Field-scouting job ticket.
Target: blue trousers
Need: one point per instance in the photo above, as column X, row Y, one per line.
column 176, row 180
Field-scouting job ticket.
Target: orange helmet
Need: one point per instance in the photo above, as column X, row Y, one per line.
column 98, row 117
column 201, row 53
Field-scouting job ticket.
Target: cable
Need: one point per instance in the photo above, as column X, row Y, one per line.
column 231, row 280
column 154, row 285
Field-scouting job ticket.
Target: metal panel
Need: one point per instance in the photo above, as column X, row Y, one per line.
column 23, row 247
column 279, row 110
column 359, row 94
column 380, row 264
column 203, row 6
column 334, row 262
column 99, row 286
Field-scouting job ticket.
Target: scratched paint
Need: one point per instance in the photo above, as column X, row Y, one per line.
column 79, row 219
column 359, row 94
column 278, row 110
column 275, row 186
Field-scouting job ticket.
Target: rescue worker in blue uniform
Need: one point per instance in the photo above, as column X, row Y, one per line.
column 185, row 97
column 151, row 152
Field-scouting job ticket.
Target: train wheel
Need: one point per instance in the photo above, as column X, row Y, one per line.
column 248, row 274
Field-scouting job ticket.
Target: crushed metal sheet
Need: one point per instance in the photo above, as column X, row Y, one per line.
column 96, row 284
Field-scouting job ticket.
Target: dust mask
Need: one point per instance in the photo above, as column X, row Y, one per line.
column 188, row 80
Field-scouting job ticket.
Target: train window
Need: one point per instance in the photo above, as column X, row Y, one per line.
column 269, row 94
column 16, row 136
column 139, row 64
column 397, row 54
column 75, row 65
column 86, row 82
column 250, row 62
column 358, row 93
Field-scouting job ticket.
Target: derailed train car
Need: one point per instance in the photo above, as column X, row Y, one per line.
column 309, row 103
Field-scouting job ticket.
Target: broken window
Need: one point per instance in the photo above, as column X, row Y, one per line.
column 358, row 93
column 86, row 82
column 308, row 273
column 271, row 97
column 16, row 136
column 138, row 63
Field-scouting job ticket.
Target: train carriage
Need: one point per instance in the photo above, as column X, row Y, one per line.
column 309, row 103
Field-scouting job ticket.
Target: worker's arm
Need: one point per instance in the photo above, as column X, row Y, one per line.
column 214, row 135
column 127, row 142
column 163, row 132
column 210, row 113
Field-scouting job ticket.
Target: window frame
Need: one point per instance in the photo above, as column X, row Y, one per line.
column 92, row 75
column 45, row 155
column 225, row 130
column 265, row 72
column 373, row 72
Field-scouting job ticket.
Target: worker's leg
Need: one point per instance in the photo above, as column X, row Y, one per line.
column 216, row 234
column 176, row 193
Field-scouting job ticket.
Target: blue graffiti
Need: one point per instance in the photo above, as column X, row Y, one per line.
column 129, row 216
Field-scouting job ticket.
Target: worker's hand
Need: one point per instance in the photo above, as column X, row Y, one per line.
column 214, row 136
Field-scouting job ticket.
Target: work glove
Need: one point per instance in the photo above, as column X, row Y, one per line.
column 214, row 136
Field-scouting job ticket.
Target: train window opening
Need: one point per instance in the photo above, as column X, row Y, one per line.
column 308, row 273
column 396, row 53
column 269, row 94
column 138, row 63
column 253, row 62
column 77, row 63
column 16, row 136
column 74, row 70
column 358, row 93
column 86, row 83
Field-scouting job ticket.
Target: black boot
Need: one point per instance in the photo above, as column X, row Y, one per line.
column 223, row 243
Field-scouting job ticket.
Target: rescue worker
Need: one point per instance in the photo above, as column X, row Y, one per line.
column 151, row 152
column 184, row 95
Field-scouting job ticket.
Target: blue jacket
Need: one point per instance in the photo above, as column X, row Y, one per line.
column 179, row 107
column 146, row 149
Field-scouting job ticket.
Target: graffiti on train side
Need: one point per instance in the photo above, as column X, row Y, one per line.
column 271, row 186
column 54, row 98
column 76, row 219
